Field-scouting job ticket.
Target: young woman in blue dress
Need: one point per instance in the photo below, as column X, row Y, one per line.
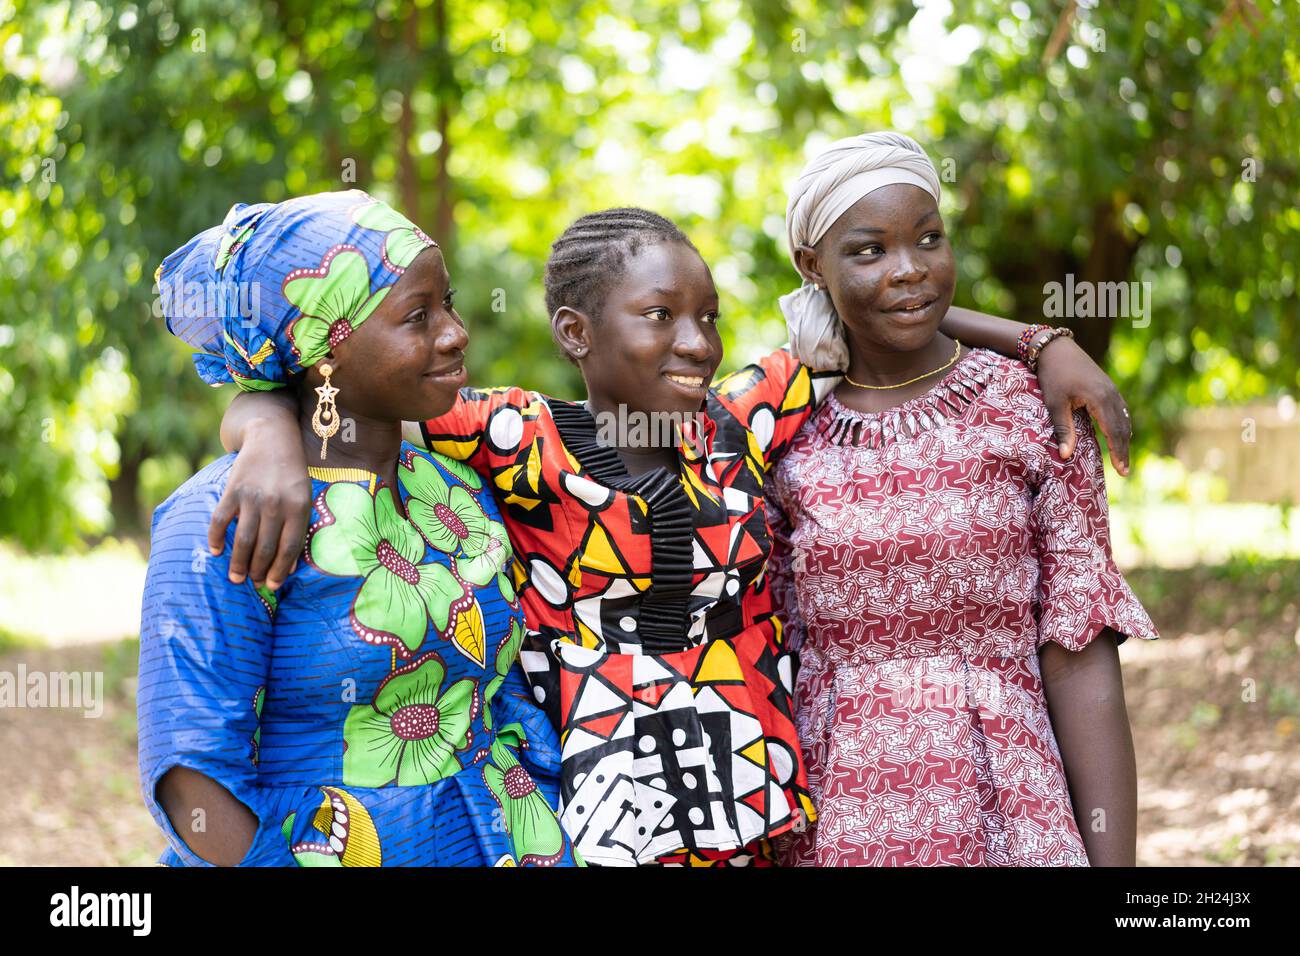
column 365, row 713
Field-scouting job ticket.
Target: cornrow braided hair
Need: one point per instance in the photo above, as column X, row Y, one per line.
column 594, row 251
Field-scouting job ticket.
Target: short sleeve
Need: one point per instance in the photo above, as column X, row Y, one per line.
column 486, row 428
column 205, row 646
column 773, row 398
column 1081, row 591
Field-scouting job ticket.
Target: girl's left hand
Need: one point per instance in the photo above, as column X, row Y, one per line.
column 1069, row 379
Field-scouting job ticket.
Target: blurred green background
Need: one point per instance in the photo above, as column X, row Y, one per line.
column 1147, row 141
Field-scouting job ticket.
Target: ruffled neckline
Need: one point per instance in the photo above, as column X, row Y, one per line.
column 663, row 622
column 945, row 400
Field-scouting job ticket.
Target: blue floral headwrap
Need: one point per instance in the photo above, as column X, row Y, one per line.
column 271, row 290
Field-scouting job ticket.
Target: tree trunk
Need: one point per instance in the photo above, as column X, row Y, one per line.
column 443, row 219
column 124, row 493
column 1109, row 260
column 408, row 172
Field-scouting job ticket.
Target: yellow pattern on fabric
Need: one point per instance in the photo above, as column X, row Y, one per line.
column 332, row 475
column 505, row 480
column 589, row 638
column 262, row 354
column 257, row 358
column 692, row 481
column 534, row 467
column 599, row 555
column 690, row 492
column 736, row 382
column 756, row 752
column 799, row 394
column 470, row 633
column 459, row 450
column 362, row 845
column 719, row 663
column 809, row 809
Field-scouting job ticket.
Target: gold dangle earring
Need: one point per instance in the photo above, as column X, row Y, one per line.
column 325, row 420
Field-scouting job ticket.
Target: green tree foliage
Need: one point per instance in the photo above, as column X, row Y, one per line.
column 1160, row 146
column 1167, row 152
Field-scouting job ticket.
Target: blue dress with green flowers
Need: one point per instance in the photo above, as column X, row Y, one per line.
column 368, row 713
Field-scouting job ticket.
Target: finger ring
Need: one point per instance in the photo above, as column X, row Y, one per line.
column 1125, row 412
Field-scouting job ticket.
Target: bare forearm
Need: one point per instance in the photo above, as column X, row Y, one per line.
column 1068, row 378
column 268, row 488
column 247, row 407
column 982, row 330
column 1085, row 697
column 213, row 824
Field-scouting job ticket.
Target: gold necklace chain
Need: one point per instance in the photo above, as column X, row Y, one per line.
column 949, row 364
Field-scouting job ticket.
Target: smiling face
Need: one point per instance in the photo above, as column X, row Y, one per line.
column 654, row 345
column 407, row 360
column 888, row 267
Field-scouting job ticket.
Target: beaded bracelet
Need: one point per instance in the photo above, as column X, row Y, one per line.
column 1027, row 336
column 1036, row 349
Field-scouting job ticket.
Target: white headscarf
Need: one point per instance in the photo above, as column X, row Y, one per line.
column 832, row 182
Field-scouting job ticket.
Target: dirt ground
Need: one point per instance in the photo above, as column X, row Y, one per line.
column 1215, row 707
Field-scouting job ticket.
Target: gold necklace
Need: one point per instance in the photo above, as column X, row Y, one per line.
column 955, row 353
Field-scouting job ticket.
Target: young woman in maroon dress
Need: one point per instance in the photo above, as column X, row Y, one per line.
column 946, row 577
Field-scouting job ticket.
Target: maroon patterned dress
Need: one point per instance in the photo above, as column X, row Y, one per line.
column 922, row 557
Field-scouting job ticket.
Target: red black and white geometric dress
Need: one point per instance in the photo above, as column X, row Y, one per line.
column 923, row 556
column 651, row 638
